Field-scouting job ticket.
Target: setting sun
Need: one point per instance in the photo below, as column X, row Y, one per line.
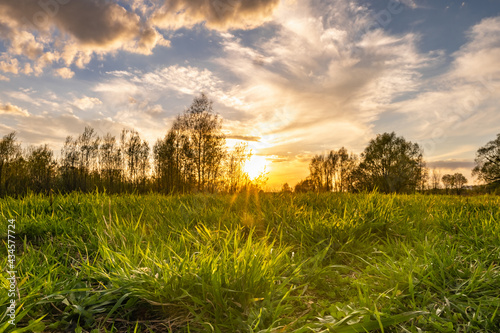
column 256, row 166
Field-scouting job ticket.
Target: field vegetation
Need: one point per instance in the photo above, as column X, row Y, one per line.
column 254, row 262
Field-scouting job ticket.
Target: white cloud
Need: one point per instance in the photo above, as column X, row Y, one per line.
column 86, row 103
column 463, row 101
column 9, row 65
column 479, row 59
column 10, row 109
column 64, row 73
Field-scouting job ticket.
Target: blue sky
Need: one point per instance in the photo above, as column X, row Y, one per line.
column 292, row 78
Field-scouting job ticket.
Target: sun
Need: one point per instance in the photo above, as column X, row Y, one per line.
column 255, row 166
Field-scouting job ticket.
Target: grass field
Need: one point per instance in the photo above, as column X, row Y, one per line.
column 253, row 263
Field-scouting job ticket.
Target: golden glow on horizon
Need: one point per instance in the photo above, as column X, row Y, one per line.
column 256, row 166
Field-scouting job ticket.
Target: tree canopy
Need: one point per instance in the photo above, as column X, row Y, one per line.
column 455, row 181
column 391, row 164
column 487, row 167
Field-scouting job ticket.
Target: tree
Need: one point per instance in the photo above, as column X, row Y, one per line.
column 344, row 167
column 304, row 186
column 460, row 181
column 391, row 164
column 333, row 171
column 317, row 175
column 487, row 167
column 435, row 179
column 448, row 182
column 110, row 162
column 41, row 168
column 206, row 142
column 135, row 157
column 236, row 177
column 70, row 160
column 286, row 188
column 79, row 160
column 193, row 153
column 10, row 155
column 172, row 156
column 456, row 181
column 88, row 143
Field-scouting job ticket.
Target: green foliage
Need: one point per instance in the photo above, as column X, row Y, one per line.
column 249, row 262
column 391, row 164
column 488, row 162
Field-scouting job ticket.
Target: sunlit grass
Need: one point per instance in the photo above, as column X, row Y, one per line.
column 255, row 263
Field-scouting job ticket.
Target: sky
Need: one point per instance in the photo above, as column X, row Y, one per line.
column 292, row 78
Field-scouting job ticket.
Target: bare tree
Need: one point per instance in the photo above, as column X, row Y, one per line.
column 236, row 178
column 435, row 179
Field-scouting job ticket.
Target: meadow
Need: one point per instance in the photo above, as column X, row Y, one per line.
column 251, row 262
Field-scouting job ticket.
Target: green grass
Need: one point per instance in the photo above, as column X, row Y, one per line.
column 254, row 263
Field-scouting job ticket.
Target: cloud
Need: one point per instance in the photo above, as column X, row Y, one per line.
column 86, row 103
column 9, row 65
column 410, row 3
column 451, row 164
column 217, row 14
column 64, row 73
column 319, row 76
column 46, row 32
column 243, row 137
column 320, row 80
column 9, row 109
column 38, row 34
column 184, row 80
column 479, row 58
column 317, row 82
column 322, row 74
column 463, row 101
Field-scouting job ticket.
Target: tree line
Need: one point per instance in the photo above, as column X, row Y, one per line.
column 388, row 164
column 391, row 164
column 191, row 157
